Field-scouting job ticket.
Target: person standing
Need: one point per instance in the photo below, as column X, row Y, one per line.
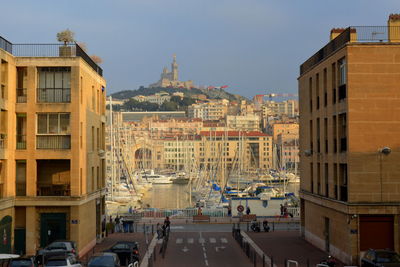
column 117, row 224
column 248, row 210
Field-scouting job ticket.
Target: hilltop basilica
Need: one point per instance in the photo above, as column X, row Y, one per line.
column 170, row 78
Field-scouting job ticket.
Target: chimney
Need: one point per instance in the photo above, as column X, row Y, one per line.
column 335, row 32
column 394, row 28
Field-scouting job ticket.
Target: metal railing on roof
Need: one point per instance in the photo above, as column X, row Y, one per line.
column 5, row 45
column 49, row 50
column 354, row 34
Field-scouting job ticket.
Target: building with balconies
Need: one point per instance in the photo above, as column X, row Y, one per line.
column 349, row 142
column 52, row 124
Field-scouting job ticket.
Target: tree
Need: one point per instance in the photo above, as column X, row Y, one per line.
column 66, row 36
column 96, row 59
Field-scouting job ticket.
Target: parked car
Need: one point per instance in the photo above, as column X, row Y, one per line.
column 62, row 245
column 104, row 259
column 62, row 261
column 5, row 259
column 380, row 258
column 127, row 251
column 24, row 261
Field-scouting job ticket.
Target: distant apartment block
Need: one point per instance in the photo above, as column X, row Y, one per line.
column 52, row 106
column 349, row 142
column 243, row 123
column 209, row 111
column 158, row 98
column 289, row 108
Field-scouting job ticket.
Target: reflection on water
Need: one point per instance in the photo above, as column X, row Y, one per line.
column 168, row 196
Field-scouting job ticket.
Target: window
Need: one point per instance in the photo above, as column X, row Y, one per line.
column 53, row 123
column 54, row 85
column 342, row 71
column 333, row 78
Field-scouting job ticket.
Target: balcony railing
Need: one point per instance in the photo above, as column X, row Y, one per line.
column 21, row 95
column 2, row 143
column 54, row 50
column 5, row 45
column 21, row 141
column 53, row 95
column 53, row 190
column 53, row 141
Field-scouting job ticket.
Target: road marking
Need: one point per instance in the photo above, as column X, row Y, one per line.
column 213, row 240
column 204, row 249
column 185, row 249
column 219, row 248
column 190, row 240
column 179, row 240
column 224, row 240
column 159, row 241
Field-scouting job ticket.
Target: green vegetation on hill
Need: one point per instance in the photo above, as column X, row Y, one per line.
column 212, row 94
column 175, row 104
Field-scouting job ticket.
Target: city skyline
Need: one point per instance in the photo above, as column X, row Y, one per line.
column 254, row 48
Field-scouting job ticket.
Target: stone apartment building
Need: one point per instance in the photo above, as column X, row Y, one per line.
column 52, row 104
column 349, row 142
column 209, row 111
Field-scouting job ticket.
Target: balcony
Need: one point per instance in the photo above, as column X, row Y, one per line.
column 53, row 178
column 2, row 141
column 21, row 141
column 54, row 95
column 49, row 50
column 21, row 95
column 53, row 141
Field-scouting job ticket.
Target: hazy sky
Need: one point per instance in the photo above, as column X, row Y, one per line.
column 254, row 46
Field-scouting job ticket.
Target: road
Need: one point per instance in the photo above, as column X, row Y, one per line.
column 199, row 249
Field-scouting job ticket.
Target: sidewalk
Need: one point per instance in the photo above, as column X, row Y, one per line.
column 213, row 220
column 288, row 245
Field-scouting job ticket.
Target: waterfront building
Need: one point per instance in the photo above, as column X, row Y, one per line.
column 214, row 110
column 169, row 79
column 248, row 122
column 52, row 124
column 349, row 142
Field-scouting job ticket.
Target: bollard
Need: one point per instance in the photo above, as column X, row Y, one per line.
column 263, row 260
column 272, row 261
column 152, row 229
column 273, row 226
column 247, row 226
column 285, row 262
column 255, row 259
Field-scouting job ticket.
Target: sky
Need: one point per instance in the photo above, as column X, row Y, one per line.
column 253, row 46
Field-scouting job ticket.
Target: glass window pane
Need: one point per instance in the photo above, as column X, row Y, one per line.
column 53, row 123
column 67, row 79
column 49, row 80
column 42, row 124
column 58, row 77
column 64, row 123
column 42, row 79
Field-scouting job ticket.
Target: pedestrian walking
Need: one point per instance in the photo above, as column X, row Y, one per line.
column 248, row 210
column 117, row 229
column 229, row 211
column 159, row 231
column 166, row 225
column 199, row 211
column 282, row 210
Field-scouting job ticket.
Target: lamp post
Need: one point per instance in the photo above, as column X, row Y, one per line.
column 382, row 151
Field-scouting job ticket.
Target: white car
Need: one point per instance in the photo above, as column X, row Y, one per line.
column 62, row 261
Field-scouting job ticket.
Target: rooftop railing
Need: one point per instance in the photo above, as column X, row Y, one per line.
column 354, row 34
column 49, row 50
column 5, row 45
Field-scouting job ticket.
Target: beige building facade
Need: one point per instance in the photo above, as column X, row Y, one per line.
column 349, row 142
column 51, row 145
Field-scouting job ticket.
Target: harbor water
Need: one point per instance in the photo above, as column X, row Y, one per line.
column 176, row 196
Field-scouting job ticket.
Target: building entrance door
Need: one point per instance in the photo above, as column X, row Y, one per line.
column 52, row 227
column 376, row 232
column 5, row 232
column 19, row 241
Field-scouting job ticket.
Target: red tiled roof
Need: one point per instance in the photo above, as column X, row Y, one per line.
column 394, row 16
column 231, row 133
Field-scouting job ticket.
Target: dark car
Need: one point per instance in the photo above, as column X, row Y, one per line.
column 104, row 259
column 57, row 247
column 128, row 252
column 380, row 258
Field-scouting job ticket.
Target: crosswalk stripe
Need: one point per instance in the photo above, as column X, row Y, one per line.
column 190, row 240
column 179, row 240
column 224, row 240
column 202, row 240
column 213, row 240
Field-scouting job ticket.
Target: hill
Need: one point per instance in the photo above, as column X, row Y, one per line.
column 212, row 94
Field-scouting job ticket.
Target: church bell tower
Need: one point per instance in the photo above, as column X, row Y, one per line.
column 174, row 69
